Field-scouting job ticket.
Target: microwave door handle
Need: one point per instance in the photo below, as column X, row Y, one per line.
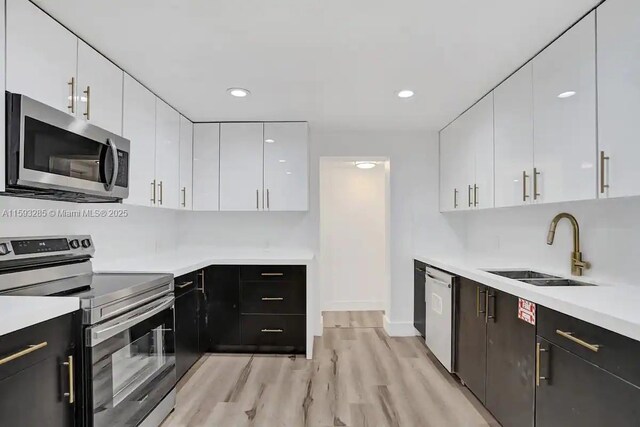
column 114, row 174
column 98, row 335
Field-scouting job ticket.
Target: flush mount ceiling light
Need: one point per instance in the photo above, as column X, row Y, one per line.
column 567, row 94
column 238, row 92
column 269, row 141
column 365, row 164
column 405, row 93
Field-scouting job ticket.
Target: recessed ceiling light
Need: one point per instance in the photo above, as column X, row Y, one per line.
column 269, row 141
column 405, row 93
column 282, row 161
column 567, row 94
column 238, row 92
column 365, row 165
column 288, row 173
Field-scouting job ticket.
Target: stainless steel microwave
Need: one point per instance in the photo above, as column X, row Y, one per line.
column 53, row 155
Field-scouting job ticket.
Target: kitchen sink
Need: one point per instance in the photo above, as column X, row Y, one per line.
column 523, row 274
column 554, row 282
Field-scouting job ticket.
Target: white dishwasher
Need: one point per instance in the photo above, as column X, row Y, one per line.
column 439, row 315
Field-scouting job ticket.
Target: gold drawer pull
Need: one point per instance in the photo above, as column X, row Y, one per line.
column 272, row 299
column 569, row 336
column 272, row 274
column 71, row 394
column 24, row 352
column 539, row 350
column 184, row 285
column 272, row 331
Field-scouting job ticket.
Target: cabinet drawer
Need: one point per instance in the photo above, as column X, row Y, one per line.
column 281, row 273
column 186, row 283
column 31, row 345
column 610, row 351
column 273, row 297
column 273, row 330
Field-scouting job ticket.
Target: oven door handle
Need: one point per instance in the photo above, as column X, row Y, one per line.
column 114, row 174
column 102, row 333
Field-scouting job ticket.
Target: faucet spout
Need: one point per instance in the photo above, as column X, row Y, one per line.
column 577, row 264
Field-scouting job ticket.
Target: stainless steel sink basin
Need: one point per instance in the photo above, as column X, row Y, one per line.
column 523, row 274
column 554, row 282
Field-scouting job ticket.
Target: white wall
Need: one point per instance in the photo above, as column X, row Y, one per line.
column 609, row 231
column 353, row 235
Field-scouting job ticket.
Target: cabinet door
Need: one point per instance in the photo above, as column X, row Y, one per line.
column 222, row 287
column 99, row 89
column 511, row 350
column 619, row 96
column 451, row 194
column 513, row 109
column 241, row 166
column 286, row 166
column 186, row 321
column 206, row 166
column 471, row 337
column 167, row 155
column 186, row 163
column 139, row 126
column 480, row 141
column 41, row 56
column 464, row 155
column 576, row 393
column 564, row 110
column 204, row 338
column 419, row 304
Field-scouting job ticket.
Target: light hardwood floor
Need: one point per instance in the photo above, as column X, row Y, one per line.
column 359, row 377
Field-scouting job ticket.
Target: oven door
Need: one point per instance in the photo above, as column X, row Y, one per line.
column 130, row 365
column 50, row 149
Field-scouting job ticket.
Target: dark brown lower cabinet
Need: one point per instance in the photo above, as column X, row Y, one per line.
column 222, row 290
column 511, row 350
column 577, row 393
column 471, row 336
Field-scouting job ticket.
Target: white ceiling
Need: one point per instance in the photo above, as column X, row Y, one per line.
column 335, row 63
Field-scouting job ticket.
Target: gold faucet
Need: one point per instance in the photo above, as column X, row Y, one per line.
column 577, row 264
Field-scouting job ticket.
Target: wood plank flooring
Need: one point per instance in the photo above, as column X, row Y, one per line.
column 359, row 377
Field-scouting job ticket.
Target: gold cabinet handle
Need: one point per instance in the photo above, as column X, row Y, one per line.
column 487, row 306
column 21, row 353
column 272, row 299
column 184, row 285
column 272, row 331
column 536, row 173
column 455, row 198
column 201, row 274
column 469, row 188
column 525, row 196
column 603, row 175
column 478, row 310
column 268, row 207
column 160, row 191
column 153, row 191
column 257, row 199
column 87, row 113
column 184, row 196
column 475, row 195
column 72, row 106
column 272, row 274
column 571, row 337
column 71, row 394
column 539, row 350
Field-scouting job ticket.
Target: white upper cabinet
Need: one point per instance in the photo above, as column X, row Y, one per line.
column 41, row 56
column 286, row 167
column 186, row 163
column 513, row 109
column 480, row 133
column 241, row 166
column 99, row 89
column 167, row 155
column 619, row 97
column 564, row 110
column 206, row 166
column 139, row 127
column 456, row 168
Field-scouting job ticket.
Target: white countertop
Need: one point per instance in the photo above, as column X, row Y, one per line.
column 187, row 259
column 616, row 308
column 17, row 312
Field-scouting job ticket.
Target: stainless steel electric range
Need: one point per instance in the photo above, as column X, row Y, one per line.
column 128, row 365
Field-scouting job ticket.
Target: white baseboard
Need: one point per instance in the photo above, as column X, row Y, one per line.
column 399, row 329
column 366, row 305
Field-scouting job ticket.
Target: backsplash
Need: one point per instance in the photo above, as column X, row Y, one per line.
column 517, row 236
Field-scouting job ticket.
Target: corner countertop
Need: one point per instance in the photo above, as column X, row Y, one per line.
column 613, row 307
column 184, row 260
column 18, row 312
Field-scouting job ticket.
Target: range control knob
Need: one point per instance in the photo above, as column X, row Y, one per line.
column 86, row 243
column 4, row 249
column 75, row 244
